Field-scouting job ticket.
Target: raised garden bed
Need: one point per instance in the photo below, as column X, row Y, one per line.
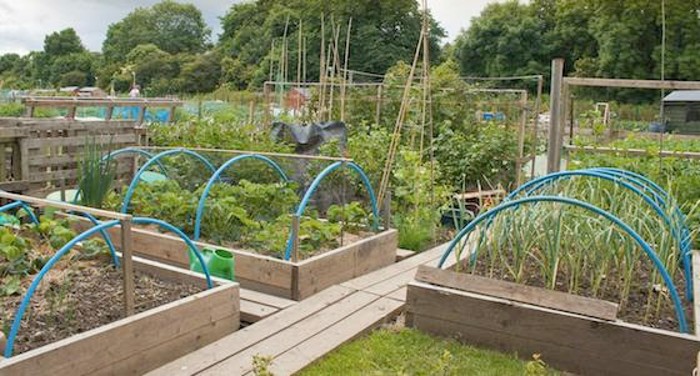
column 135, row 344
column 288, row 279
column 572, row 333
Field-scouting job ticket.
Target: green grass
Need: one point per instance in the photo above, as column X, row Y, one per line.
column 410, row 352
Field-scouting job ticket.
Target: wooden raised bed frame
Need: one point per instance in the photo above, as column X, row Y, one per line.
column 514, row 318
column 292, row 280
column 142, row 342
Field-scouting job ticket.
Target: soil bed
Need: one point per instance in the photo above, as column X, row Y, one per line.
column 635, row 310
column 83, row 296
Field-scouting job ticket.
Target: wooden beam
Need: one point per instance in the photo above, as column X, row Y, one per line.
column 633, row 152
column 596, row 308
column 632, row 84
column 64, row 206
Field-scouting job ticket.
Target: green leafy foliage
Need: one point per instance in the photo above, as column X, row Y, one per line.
column 351, row 215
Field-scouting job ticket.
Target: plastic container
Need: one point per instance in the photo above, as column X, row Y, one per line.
column 220, row 263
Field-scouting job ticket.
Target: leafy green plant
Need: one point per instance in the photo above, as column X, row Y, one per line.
column 96, row 176
column 351, row 216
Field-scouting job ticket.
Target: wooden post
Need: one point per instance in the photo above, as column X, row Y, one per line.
column 3, row 161
column 251, row 112
column 535, row 129
column 24, row 159
column 29, row 112
column 3, row 343
column 386, row 209
column 127, row 266
column 71, row 112
column 109, row 113
column 171, row 114
column 295, row 238
column 142, row 115
column 378, row 112
column 554, row 141
column 521, row 140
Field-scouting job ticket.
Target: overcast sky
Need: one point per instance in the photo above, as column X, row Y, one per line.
column 24, row 23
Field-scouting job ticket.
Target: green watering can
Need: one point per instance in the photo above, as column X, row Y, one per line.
column 220, row 263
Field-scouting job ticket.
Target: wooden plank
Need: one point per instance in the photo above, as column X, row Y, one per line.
column 293, row 335
column 367, row 280
column 63, row 125
column 24, row 159
column 402, row 254
column 633, row 84
column 80, row 141
column 64, row 206
column 597, row 308
column 480, row 194
column 253, row 312
column 68, row 174
column 194, row 339
column 127, row 262
column 230, row 345
column 345, row 263
column 14, row 186
column 612, row 342
column 118, row 342
column 354, row 326
column 268, row 300
column 633, row 152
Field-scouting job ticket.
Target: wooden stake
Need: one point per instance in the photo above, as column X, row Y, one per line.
column 343, row 88
column 127, row 266
column 554, row 142
column 299, row 52
column 538, row 101
column 295, row 238
column 521, row 140
column 396, row 136
column 322, row 70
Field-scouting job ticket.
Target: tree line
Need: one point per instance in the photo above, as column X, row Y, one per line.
column 168, row 48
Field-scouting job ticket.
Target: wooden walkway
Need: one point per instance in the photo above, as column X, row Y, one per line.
column 304, row 332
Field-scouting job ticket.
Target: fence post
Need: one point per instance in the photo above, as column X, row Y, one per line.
column 554, row 141
column 295, row 238
column 127, row 266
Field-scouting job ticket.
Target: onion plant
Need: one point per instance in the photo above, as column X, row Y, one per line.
column 570, row 249
column 97, row 176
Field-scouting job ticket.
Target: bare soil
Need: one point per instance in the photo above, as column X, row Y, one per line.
column 80, row 297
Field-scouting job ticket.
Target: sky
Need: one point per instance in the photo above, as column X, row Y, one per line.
column 25, row 23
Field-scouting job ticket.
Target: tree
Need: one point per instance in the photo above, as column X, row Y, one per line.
column 75, row 69
column 172, row 27
column 202, row 75
column 506, row 39
column 63, row 42
column 382, row 34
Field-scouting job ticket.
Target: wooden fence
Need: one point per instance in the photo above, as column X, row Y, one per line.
column 38, row 156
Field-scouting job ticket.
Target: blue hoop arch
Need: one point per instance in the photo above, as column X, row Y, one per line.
column 680, row 233
column 217, row 174
column 66, row 248
column 144, row 168
column 680, row 314
column 314, row 186
column 132, row 150
column 21, row 205
column 32, row 216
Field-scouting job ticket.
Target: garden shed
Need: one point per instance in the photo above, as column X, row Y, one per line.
column 682, row 109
